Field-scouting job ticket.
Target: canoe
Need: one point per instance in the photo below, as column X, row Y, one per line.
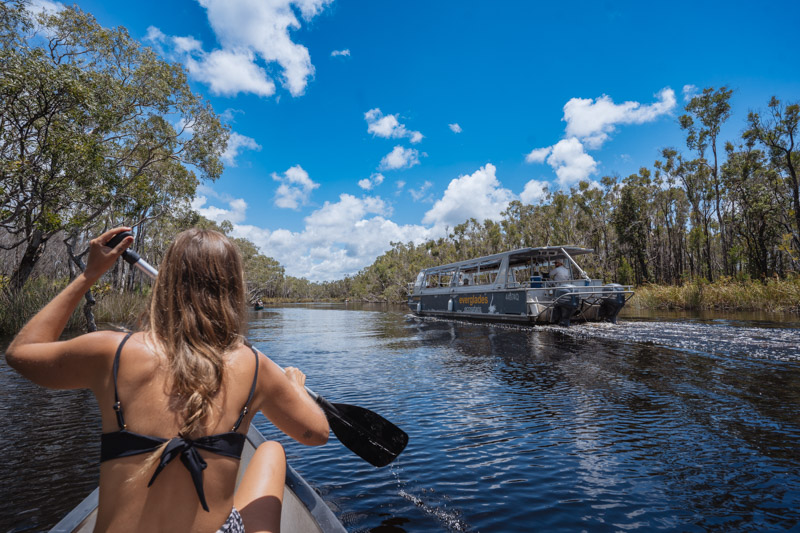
column 303, row 510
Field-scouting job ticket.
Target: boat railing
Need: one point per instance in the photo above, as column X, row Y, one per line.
column 626, row 290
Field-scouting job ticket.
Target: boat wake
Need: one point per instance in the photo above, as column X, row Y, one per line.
column 713, row 338
column 777, row 344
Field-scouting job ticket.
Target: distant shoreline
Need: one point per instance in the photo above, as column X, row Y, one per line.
column 770, row 296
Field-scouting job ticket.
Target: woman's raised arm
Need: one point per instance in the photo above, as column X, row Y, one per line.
column 36, row 352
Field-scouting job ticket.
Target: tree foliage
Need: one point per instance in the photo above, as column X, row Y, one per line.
column 93, row 127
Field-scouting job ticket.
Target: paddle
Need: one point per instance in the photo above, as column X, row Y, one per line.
column 367, row 434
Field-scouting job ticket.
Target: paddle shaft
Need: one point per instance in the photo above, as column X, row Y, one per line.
column 367, row 434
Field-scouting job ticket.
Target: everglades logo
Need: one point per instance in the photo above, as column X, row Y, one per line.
column 473, row 300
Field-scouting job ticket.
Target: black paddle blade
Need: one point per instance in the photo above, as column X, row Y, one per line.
column 367, row 434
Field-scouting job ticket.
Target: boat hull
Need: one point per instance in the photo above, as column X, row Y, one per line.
column 303, row 510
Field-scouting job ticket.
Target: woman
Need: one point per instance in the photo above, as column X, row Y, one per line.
column 186, row 387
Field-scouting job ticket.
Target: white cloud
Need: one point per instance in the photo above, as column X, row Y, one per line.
column 534, row 191
column 389, row 126
column 478, row 195
column 689, row 92
column 400, row 157
column 341, row 53
column 590, row 124
column 295, row 188
column 237, row 143
column 229, row 73
column 455, row 128
column 571, row 163
column 538, row 155
column 592, row 121
column 185, row 45
column 371, row 182
column 226, row 72
column 235, row 213
column 338, row 239
column 252, row 34
column 155, row 35
column 420, row 194
column 229, row 115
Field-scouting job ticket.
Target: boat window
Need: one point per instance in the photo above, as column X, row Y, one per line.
column 439, row 279
column 445, row 278
column 420, row 279
column 486, row 273
column 432, row 280
column 519, row 275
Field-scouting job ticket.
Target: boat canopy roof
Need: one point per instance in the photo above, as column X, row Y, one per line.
column 515, row 257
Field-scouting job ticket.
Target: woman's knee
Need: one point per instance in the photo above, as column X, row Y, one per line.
column 269, row 459
column 271, row 451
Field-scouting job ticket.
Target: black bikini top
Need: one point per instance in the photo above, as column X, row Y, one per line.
column 124, row 443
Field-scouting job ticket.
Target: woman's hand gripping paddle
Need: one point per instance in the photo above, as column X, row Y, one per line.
column 367, row 434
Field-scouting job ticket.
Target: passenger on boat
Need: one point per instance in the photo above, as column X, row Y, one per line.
column 187, row 386
column 559, row 273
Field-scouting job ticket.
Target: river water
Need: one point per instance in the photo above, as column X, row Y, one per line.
column 658, row 423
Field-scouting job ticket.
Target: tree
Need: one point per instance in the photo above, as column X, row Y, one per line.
column 672, row 211
column 753, row 188
column 92, row 126
column 596, row 207
column 777, row 133
column 711, row 109
column 632, row 221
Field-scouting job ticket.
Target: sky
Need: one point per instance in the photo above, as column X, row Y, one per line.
column 357, row 124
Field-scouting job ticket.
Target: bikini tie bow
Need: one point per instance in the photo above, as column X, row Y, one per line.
column 191, row 459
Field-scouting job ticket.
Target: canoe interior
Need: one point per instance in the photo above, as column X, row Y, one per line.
column 303, row 510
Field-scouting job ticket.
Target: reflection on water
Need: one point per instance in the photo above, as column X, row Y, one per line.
column 672, row 423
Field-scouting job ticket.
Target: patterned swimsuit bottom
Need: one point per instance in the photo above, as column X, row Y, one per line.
column 233, row 524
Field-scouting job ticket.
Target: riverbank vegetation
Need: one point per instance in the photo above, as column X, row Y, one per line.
column 96, row 131
column 773, row 296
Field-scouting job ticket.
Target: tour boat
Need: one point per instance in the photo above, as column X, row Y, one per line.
column 515, row 287
column 303, row 510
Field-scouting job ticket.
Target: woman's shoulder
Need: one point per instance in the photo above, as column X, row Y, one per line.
column 97, row 344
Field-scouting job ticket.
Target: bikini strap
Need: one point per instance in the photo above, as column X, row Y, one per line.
column 117, row 404
column 249, row 398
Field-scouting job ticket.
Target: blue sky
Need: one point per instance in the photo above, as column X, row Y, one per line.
column 360, row 123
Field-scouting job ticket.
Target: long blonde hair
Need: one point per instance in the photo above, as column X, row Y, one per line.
column 196, row 315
